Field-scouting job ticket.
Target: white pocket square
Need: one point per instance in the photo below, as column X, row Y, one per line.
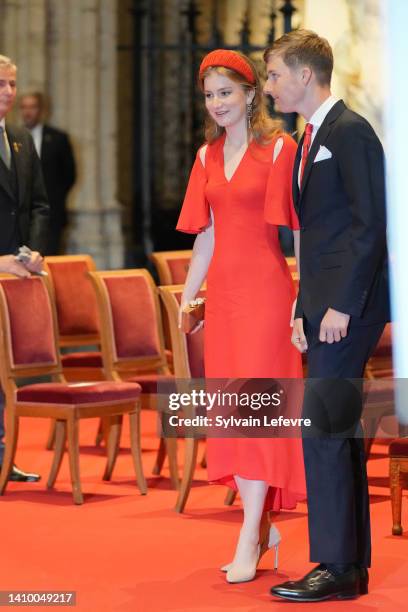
column 323, row 153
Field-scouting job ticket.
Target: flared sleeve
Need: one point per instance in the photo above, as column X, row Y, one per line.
column 279, row 208
column 195, row 212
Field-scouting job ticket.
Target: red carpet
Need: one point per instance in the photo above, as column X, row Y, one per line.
column 121, row 551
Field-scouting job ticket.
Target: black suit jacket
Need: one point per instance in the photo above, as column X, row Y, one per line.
column 342, row 214
column 24, row 209
column 58, row 166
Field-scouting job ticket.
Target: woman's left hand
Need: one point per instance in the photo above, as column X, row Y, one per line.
column 292, row 316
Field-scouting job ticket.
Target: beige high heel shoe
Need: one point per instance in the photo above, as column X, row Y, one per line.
column 272, row 540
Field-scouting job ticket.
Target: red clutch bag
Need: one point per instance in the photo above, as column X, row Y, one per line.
column 192, row 314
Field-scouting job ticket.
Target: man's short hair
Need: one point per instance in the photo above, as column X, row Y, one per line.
column 7, row 62
column 304, row 48
column 38, row 95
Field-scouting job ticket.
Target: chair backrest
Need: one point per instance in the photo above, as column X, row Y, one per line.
column 171, row 266
column 131, row 326
column 188, row 349
column 28, row 329
column 77, row 311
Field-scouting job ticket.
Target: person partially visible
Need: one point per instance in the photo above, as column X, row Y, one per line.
column 57, row 162
column 238, row 194
column 24, row 207
column 341, row 310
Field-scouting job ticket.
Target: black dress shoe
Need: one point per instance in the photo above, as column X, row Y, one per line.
column 17, row 475
column 320, row 585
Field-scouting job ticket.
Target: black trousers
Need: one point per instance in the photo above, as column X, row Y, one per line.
column 336, row 476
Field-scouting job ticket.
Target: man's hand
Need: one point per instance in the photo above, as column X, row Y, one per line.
column 298, row 336
column 36, row 263
column 333, row 326
column 10, row 265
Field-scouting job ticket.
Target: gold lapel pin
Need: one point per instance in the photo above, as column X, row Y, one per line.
column 17, row 146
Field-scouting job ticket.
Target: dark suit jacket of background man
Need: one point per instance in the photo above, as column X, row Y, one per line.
column 24, row 208
column 58, row 166
column 342, row 215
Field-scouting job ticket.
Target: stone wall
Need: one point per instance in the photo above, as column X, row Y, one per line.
column 68, row 50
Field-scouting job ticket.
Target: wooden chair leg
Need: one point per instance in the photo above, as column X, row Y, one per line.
column 73, row 453
column 396, row 496
column 11, row 437
column 203, row 462
column 51, row 436
column 368, row 442
column 160, row 457
column 230, row 497
column 171, row 448
column 190, row 459
column 99, row 434
column 136, row 449
column 60, row 442
column 370, row 427
column 115, row 429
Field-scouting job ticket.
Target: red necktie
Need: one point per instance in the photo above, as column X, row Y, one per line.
column 307, row 141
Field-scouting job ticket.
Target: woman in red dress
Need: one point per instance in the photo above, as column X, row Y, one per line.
column 238, row 194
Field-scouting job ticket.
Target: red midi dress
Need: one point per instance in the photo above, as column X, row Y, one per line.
column 249, row 299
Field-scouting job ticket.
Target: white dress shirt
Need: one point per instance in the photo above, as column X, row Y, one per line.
column 317, row 119
column 3, row 125
column 37, row 134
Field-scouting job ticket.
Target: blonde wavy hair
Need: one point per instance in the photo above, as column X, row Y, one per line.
column 262, row 127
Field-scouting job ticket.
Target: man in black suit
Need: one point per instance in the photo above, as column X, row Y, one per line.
column 24, row 208
column 341, row 309
column 57, row 162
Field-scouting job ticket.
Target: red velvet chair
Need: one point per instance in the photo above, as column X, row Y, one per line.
column 380, row 363
column 77, row 315
column 78, row 321
column 398, row 452
column 28, row 348
column 291, row 261
column 132, row 341
column 379, row 367
column 171, row 266
column 188, row 359
column 188, row 363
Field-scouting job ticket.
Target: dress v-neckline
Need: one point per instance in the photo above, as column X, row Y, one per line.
column 228, row 180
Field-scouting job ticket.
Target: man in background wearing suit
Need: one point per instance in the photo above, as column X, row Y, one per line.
column 24, row 208
column 341, row 309
column 57, row 162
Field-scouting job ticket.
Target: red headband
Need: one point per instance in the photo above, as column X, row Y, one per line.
column 228, row 59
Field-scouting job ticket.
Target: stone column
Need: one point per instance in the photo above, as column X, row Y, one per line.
column 23, row 38
column 234, row 12
column 109, row 99
column 356, row 37
column 395, row 16
column 82, row 52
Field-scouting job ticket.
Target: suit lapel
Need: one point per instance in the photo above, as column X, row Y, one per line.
column 5, row 176
column 17, row 153
column 295, row 174
column 320, row 138
column 45, row 141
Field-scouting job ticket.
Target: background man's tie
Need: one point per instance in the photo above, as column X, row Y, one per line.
column 307, row 141
column 5, row 153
